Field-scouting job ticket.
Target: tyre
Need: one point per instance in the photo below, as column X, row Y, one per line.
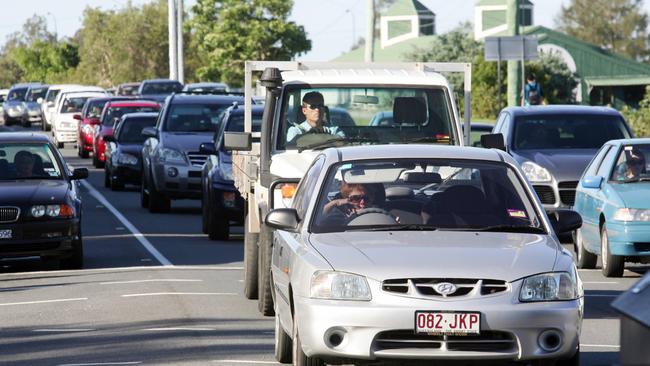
column 144, row 196
column 250, row 262
column 81, row 152
column 265, row 299
column 283, row 343
column 158, row 203
column 76, row 260
column 613, row 265
column 107, row 178
column 204, row 214
column 218, row 225
column 298, row 356
column 96, row 162
column 584, row 259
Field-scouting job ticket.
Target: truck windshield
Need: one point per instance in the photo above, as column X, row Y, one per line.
column 314, row 116
column 569, row 131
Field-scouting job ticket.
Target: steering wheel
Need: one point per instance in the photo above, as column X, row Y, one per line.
column 372, row 216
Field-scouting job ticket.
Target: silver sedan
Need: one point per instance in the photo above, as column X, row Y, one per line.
column 410, row 253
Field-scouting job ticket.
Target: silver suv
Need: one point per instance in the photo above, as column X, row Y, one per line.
column 172, row 162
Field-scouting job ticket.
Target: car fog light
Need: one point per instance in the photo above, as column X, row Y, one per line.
column 550, row 340
column 38, row 211
column 172, row 172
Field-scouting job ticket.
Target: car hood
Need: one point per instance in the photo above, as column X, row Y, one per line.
column 186, row 141
column 12, row 103
column 292, row 164
column 133, row 149
column 634, row 195
column 448, row 254
column 563, row 164
column 26, row 192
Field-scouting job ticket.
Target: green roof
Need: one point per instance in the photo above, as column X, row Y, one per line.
column 501, row 2
column 623, row 80
column 394, row 53
column 408, row 7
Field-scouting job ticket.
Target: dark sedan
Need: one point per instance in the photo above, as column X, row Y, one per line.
column 40, row 203
column 124, row 150
column 220, row 200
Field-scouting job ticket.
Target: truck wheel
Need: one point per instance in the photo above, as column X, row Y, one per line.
column 250, row 262
column 144, row 196
column 584, row 259
column 218, row 226
column 265, row 301
column 613, row 265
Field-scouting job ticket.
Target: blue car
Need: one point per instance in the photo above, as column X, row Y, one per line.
column 613, row 198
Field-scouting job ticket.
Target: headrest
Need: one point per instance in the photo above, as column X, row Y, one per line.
column 422, row 177
column 409, row 110
column 397, row 193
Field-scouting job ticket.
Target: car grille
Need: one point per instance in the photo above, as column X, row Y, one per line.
column 426, row 286
column 9, row 214
column 568, row 192
column 197, row 158
column 545, row 194
column 487, row 341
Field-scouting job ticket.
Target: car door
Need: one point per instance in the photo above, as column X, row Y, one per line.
column 585, row 202
column 596, row 200
column 286, row 244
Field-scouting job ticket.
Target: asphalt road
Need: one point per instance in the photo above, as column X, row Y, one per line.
column 154, row 290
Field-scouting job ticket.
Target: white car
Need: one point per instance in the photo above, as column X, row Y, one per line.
column 47, row 104
column 413, row 253
column 3, row 96
column 69, row 103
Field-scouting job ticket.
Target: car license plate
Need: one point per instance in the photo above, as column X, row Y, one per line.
column 447, row 323
column 5, row 234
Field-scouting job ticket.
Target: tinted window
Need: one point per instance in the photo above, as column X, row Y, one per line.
column 94, row 108
column 17, row 94
column 113, row 114
column 194, row 117
column 131, row 130
column 28, row 161
column 73, row 105
column 36, row 93
column 51, row 95
column 572, row 131
column 161, row 88
column 632, row 164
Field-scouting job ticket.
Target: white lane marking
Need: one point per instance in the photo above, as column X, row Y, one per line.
column 247, row 362
column 600, row 345
column 125, row 269
column 136, row 233
column 43, row 301
column 178, row 328
column 181, row 293
column 101, row 363
column 149, row 235
column 599, row 295
column 63, row 330
column 151, row 280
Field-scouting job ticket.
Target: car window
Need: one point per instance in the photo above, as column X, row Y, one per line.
column 632, row 164
column 51, row 95
column 444, row 194
column 17, row 94
column 236, row 124
column 499, row 123
column 113, row 114
column 305, row 192
column 592, row 168
column 94, row 108
column 606, row 165
column 571, row 131
column 130, row 129
column 73, row 105
column 194, row 117
column 28, row 161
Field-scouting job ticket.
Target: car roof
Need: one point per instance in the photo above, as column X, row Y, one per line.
column 110, row 98
column 239, row 109
column 23, row 137
column 413, row 150
column 204, row 84
column 132, row 103
column 362, row 76
column 160, row 81
column 637, row 141
column 204, row 98
column 561, row 109
column 140, row 115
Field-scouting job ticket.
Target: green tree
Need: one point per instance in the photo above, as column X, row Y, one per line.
column 48, row 62
column 616, row 25
column 557, row 81
column 229, row 32
column 639, row 119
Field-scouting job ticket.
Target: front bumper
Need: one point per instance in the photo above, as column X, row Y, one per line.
column 131, row 174
column 509, row 330
column 556, row 195
column 86, row 141
column 185, row 184
column 629, row 239
column 34, row 116
column 14, row 114
column 65, row 135
column 39, row 238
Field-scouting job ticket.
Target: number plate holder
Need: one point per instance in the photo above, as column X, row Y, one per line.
column 447, row 322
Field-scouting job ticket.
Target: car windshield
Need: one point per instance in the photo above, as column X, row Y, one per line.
column 73, row 105
column 128, row 90
column 569, row 131
column 632, row 164
column 207, row 88
column 36, row 93
column 17, row 94
column 424, row 194
column 325, row 116
column 195, row 117
column 51, row 95
column 130, row 130
column 236, row 124
column 162, row 88
column 94, row 108
column 28, row 161
column 113, row 114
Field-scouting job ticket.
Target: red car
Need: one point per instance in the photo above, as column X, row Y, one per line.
column 113, row 111
column 88, row 119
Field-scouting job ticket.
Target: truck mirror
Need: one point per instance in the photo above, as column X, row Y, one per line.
column 237, row 141
column 493, row 141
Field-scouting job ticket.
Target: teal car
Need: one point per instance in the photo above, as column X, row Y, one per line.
column 613, row 198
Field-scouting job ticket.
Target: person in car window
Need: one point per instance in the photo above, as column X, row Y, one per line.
column 313, row 108
column 24, row 163
column 633, row 166
column 352, row 198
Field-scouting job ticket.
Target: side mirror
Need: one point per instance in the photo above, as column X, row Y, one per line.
column 77, row 117
column 564, row 221
column 79, row 173
column 283, row 219
column 207, row 148
column 150, row 132
column 39, row 100
column 237, row 141
column 592, row 181
column 50, row 104
column 493, row 141
column 110, row 138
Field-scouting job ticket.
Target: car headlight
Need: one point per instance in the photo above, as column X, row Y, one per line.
column 550, row 287
column 339, row 286
column 37, row 211
column 61, row 210
column 88, row 129
column 127, row 159
column 167, row 155
column 632, row 214
column 535, row 173
column 225, row 171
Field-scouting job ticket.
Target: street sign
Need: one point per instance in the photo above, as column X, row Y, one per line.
column 511, row 48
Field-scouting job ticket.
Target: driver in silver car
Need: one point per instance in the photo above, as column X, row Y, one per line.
column 313, row 108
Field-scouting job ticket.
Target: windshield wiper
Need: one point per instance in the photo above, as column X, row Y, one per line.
column 510, row 229
column 397, row 227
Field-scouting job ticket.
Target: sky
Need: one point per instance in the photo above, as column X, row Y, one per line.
column 332, row 25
